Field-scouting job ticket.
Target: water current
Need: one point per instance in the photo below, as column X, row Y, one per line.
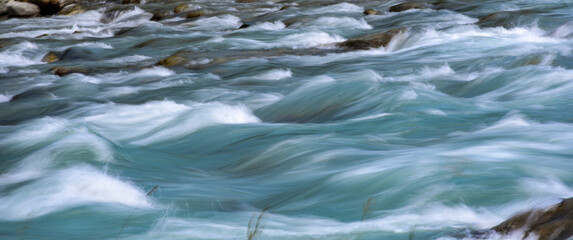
column 272, row 131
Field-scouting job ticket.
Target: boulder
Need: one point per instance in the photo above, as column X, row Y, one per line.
column 51, row 7
column 407, row 6
column 554, row 223
column 158, row 16
column 22, row 9
column 371, row 41
column 498, row 19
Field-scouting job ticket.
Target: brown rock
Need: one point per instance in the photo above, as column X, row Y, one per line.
column 173, row 60
column 371, row 12
column 51, row 57
column 181, row 8
column 371, row 41
column 159, row 16
column 555, row 223
column 63, row 71
column 407, row 6
column 195, row 14
column 71, row 9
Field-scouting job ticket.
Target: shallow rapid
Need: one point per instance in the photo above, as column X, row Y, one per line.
column 250, row 121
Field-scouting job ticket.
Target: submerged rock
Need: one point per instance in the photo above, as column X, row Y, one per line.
column 181, row 8
column 371, row 41
column 51, row 57
column 173, row 60
column 555, row 223
column 194, row 14
column 407, row 6
column 113, row 13
column 63, row 71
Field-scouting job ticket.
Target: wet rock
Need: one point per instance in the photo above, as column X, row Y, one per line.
column 34, row 93
column 113, row 13
column 130, row 1
column 555, row 223
column 286, row 7
column 246, row 1
column 71, row 9
column 181, row 8
column 498, row 19
column 371, row 12
column 194, row 14
column 147, row 43
column 407, row 6
column 158, row 16
column 51, row 57
column 63, row 71
column 371, row 41
column 77, row 53
column 51, row 7
column 171, row 61
column 22, row 9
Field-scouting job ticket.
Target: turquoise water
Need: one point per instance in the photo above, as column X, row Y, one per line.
column 451, row 128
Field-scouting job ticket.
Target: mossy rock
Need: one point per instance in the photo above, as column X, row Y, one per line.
column 51, row 57
column 172, row 61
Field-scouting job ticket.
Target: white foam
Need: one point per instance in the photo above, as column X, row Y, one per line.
column 19, row 55
column 339, row 8
column 219, row 23
column 276, row 74
column 563, row 31
column 161, row 120
column 408, row 95
column 342, row 22
column 444, row 70
column 4, row 98
column 309, row 39
column 268, row 26
column 34, row 132
column 128, row 59
column 275, row 226
column 69, row 188
column 546, row 188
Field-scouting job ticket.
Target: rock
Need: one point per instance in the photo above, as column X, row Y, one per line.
column 285, row 7
column 371, row 41
column 371, row 12
column 51, row 57
column 63, row 71
column 407, row 6
column 113, row 13
column 181, row 8
column 78, row 53
column 555, row 223
column 172, row 61
column 158, row 16
column 130, row 1
column 246, row 1
column 22, row 9
column 194, row 14
column 499, row 19
column 51, row 7
column 71, row 9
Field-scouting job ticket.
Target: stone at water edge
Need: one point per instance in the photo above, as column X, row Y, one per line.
column 22, row 9
column 71, row 9
column 194, row 14
column 371, row 41
column 554, row 223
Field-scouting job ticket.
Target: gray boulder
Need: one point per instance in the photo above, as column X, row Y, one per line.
column 371, row 41
column 22, row 9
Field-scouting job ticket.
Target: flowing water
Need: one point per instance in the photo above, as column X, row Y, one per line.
column 272, row 132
